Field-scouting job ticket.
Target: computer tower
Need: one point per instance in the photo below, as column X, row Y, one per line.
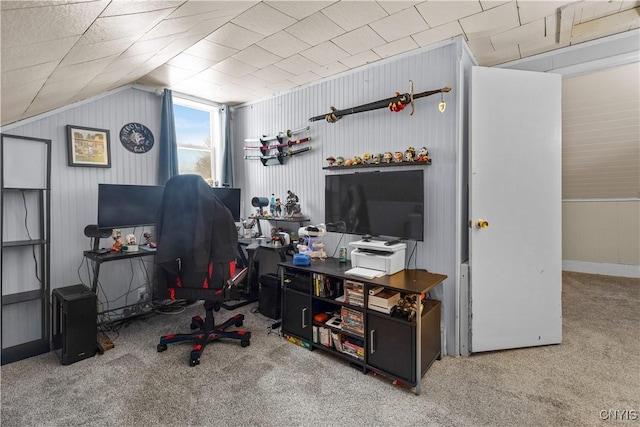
column 269, row 298
column 74, row 335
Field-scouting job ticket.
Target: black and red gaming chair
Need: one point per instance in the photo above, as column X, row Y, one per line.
column 195, row 260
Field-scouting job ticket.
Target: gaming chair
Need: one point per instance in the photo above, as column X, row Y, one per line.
column 196, row 251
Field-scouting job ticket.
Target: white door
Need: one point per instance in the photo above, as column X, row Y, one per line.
column 515, row 188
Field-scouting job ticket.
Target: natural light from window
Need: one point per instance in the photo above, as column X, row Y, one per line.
column 197, row 135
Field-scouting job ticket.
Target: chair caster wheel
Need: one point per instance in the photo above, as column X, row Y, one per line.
column 194, row 362
column 193, row 326
column 238, row 323
column 161, row 348
column 216, row 307
column 245, row 343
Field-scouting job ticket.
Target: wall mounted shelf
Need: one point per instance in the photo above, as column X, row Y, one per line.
column 381, row 165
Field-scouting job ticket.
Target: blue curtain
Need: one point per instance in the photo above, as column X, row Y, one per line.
column 227, row 148
column 168, row 163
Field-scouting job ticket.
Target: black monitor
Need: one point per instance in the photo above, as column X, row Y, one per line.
column 389, row 204
column 127, row 206
column 230, row 197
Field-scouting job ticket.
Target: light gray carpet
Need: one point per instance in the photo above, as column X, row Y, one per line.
column 275, row 383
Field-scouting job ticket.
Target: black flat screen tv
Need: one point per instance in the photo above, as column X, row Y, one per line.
column 231, row 199
column 387, row 204
column 128, row 206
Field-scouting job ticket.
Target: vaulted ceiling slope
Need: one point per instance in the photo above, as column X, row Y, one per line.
column 54, row 53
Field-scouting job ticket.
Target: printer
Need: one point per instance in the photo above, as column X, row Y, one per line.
column 376, row 255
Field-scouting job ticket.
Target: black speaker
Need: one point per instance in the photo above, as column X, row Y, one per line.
column 269, row 298
column 75, row 324
column 93, row 231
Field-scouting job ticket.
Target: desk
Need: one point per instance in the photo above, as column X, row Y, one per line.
column 98, row 259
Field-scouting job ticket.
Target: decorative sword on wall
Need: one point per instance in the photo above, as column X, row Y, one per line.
column 277, row 158
column 279, row 136
column 289, row 143
column 396, row 103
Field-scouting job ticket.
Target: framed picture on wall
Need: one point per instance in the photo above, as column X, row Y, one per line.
column 88, row 147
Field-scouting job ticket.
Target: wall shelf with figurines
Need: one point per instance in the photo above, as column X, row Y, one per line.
column 410, row 157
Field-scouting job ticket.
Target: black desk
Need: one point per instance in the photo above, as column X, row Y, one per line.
column 98, row 259
column 300, row 220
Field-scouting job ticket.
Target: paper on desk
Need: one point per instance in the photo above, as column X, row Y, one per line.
column 367, row 273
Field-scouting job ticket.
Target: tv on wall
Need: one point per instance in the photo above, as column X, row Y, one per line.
column 386, row 204
column 230, row 197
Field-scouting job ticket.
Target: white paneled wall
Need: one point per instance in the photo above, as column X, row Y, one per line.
column 375, row 131
column 74, row 190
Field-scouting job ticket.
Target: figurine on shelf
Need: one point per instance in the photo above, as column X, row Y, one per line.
column 117, row 243
column 410, row 154
column 376, row 159
column 387, row 157
column 278, row 208
column 292, row 207
column 147, row 238
column 397, row 157
column 340, row 161
column 366, row 158
column 357, row 160
column 331, row 160
column 423, row 155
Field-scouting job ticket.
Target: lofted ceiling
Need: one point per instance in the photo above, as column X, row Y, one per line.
column 54, row 53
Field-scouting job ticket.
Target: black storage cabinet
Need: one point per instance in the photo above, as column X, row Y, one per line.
column 270, row 300
column 74, row 335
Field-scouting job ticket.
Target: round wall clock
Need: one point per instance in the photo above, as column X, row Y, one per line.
column 136, row 138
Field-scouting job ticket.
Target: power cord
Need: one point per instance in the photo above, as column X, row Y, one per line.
column 26, row 227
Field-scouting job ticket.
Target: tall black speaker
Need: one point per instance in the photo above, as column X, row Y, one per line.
column 269, row 298
column 75, row 324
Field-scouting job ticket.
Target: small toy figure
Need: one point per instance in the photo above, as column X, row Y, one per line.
column 387, row 157
column 278, row 208
column 331, row 160
column 340, row 161
column 357, row 160
column 423, row 155
column 348, row 162
column 292, row 207
column 376, row 159
column 117, row 243
column 366, row 158
column 410, row 154
column 147, row 238
column 130, row 239
column 397, row 157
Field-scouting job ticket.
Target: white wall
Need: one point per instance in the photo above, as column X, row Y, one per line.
column 376, row 131
column 74, row 190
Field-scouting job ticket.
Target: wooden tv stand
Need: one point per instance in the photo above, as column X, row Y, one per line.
column 394, row 346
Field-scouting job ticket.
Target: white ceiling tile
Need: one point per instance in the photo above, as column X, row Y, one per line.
column 123, row 65
column 397, row 5
column 297, row 64
column 78, row 73
column 353, row 14
column 88, row 52
column 594, row 10
column 434, row 35
column 210, row 50
column 628, row 4
column 168, row 75
column 399, row 25
column 395, row 48
column 264, row 20
column 331, row 69
column 24, row 76
column 359, row 40
column 117, row 27
column 299, row 9
column 437, row 13
column 305, row 78
column 315, row 29
column 528, row 32
column 481, row 46
column 533, row 10
column 282, row 86
column 551, row 24
column 273, row 74
column 17, row 57
column 366, row 57
column 542, row 45
column 490, row 22
column 325, row 53
column 147, row 46
column 234, row 67
column 233, row 36
column 228, row 9
column 202, row 25
column 257, row 56
column 179, row 44
column 606, row 26
column 132, row 7
column 488, row 59
column 490, row 4
column 191, row 62
column 283, row 44
column 250, row 82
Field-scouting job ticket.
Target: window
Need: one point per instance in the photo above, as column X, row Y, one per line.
column 198, row 136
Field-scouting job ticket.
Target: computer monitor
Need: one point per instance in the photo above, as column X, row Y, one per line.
column 230, row 197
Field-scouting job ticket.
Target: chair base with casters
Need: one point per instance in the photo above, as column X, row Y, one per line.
column 207, row 332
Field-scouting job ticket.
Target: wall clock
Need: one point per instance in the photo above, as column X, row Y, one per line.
column 136, row 138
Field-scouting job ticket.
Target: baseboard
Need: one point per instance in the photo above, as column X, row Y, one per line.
column 621, row 270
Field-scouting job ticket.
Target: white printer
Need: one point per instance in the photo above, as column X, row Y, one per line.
column 376, row 255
